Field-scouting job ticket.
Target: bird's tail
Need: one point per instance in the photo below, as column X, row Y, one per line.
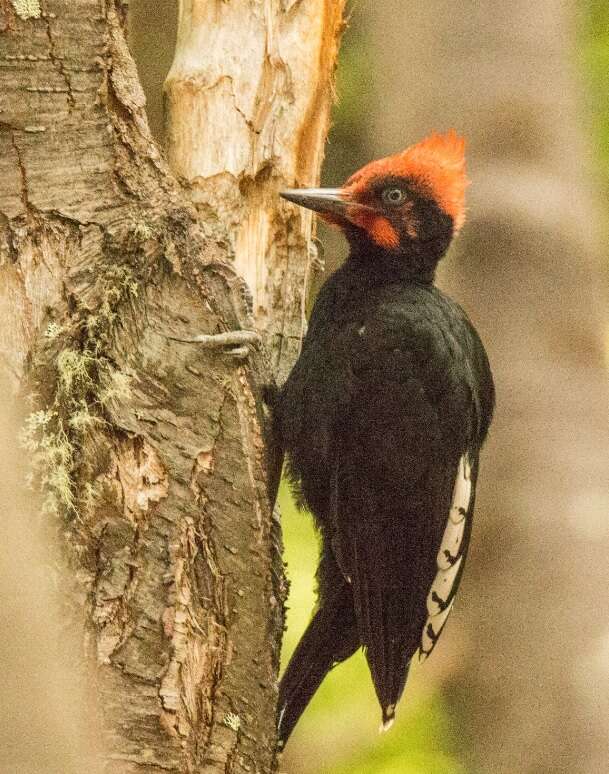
column 388, row 655
column 389, row 685
column 330, row 638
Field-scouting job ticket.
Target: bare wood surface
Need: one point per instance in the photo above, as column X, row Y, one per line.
column 248, row 104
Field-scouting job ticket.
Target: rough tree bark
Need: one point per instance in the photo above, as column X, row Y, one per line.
column 529, row 642
column 149, row 450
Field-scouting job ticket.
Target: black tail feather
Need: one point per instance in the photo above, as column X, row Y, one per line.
column 330, row 638
column 390, row 690
column 388, row 656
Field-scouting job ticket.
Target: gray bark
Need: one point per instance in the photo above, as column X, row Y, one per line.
column 149, row 450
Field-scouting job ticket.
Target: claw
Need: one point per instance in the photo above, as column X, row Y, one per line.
column 221, row 340
column 239, row 353
column 236, row 343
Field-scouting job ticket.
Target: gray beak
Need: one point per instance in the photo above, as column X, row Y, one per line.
column 324, row 200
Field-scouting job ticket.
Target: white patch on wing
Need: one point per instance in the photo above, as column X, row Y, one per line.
column 448, row 560
column 462, row 492
column 441, row 589
column 432, row 630
column 451, row 544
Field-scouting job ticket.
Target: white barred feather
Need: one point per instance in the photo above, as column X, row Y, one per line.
column 441, row 588
column 462, row 492
column 432, row 630
column 451, row 543
column 448, row 560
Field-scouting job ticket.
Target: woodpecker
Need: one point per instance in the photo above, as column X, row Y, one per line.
column 382, row 420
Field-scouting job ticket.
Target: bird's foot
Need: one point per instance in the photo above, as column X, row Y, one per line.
column 237, row 344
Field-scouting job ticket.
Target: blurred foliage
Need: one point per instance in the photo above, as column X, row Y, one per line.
column 338, row 734
column 152, row 37
column 347, row 142
column 347, row 147
column 594, row 58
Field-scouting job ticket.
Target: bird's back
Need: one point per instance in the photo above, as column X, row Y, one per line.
column 399, row 364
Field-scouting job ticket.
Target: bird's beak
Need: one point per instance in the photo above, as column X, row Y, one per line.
column 327, row 201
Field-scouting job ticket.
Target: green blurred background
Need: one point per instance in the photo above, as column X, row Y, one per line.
column 339, row 731
column 520, row 680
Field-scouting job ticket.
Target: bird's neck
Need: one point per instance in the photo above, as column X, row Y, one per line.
column 381, row 266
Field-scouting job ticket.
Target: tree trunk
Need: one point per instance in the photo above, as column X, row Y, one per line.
column 149, row 449
column 274, row 104
column 529, row 638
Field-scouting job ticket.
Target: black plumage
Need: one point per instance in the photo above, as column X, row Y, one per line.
column 382, row 419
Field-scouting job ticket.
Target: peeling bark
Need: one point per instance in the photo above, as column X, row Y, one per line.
column 149, row 449
column 259, row 73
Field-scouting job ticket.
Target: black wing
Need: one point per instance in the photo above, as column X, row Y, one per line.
column 400, row 460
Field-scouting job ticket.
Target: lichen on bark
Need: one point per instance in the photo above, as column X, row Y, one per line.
column 149, row 449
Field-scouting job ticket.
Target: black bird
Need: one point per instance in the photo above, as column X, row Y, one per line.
column 382, row 420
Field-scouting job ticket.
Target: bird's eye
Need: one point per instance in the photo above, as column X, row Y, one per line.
column 393, row 196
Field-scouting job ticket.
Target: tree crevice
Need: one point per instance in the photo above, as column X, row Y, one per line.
column 149, row 452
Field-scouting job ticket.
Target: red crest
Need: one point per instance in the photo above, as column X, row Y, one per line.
column 436, row 164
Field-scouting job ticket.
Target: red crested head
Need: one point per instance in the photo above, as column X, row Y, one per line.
column 436, row 167
column 406, row 207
